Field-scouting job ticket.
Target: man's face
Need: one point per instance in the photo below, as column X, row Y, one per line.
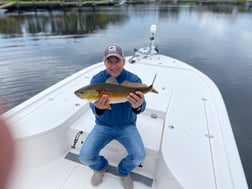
column 114, row 65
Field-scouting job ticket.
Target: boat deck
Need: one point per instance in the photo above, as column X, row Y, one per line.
column 65, row 174
column 185, row 129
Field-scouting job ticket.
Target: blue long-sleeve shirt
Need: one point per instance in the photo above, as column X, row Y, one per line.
column 121, row 114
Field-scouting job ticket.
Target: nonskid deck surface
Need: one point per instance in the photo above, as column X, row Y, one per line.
column 65, row 174
column 113, row 170
column 80, row 178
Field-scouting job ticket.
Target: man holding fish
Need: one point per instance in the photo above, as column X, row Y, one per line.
column 116, row 97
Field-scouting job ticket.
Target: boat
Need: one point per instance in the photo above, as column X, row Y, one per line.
column 248, row 4
column 185, row 128
column 2, row 11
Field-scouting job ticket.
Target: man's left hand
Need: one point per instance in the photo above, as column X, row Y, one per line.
column 136, row 99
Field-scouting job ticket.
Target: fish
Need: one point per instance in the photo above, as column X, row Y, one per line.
column 116, row 92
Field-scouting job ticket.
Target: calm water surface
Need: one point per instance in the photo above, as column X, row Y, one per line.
column 39, row 49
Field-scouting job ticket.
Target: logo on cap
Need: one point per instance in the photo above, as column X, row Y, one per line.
column 112, row 49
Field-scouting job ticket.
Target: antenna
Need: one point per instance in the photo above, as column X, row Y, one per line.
column 153, row 30
column 151, row 49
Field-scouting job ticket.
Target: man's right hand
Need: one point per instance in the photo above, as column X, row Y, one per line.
column 103, row 102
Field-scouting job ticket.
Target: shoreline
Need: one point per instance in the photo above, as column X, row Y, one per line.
column 34, row 5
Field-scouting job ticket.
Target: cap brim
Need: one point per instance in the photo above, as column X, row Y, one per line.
column 113, row 54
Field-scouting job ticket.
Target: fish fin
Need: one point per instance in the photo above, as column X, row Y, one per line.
column 154, row 90
column 107, row 105
column 112, row 80
column 135, row 85
column 101, row 92
column 154, row 79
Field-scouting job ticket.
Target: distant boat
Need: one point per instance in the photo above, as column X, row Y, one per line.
column 185, row 129
column 122, row 2
column 2, row 11
column 248, row 4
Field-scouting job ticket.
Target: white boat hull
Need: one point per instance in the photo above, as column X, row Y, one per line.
column 185, row 129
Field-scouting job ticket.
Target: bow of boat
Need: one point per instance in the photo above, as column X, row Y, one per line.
column 185, row 129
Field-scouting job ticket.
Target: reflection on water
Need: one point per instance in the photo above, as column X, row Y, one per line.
column 39, row 49
column 87, row 21
column 60, row 23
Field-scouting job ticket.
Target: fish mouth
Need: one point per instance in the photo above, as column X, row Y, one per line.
column 77, row 93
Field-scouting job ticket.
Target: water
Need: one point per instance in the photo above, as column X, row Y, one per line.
column 39, row 49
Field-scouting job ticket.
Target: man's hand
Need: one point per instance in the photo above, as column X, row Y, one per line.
column 103, row 102
column 136, row 99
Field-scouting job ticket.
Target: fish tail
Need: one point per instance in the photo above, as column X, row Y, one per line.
column 152, row 89
column 154, row 79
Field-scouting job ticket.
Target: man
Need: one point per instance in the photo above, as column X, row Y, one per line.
column 119, row 123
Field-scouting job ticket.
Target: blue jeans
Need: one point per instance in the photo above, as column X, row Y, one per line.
column 101, row 135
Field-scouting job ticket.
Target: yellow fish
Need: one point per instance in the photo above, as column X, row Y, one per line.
column 116, row 92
